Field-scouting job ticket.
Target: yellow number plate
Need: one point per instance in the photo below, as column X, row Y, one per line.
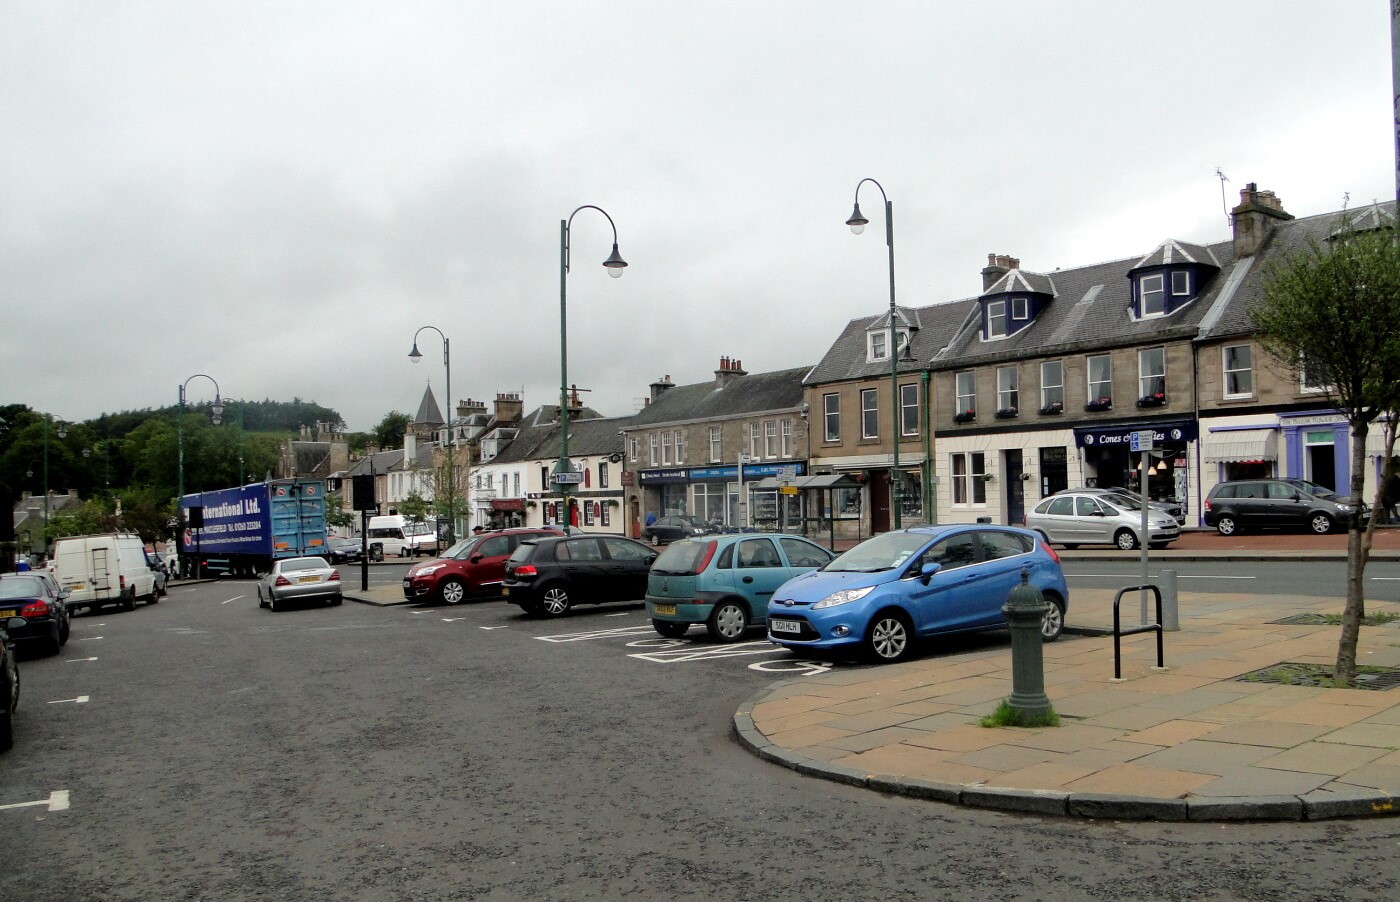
column 665, row 609
column 7, row 614
column 505, row 591
column 308, row 579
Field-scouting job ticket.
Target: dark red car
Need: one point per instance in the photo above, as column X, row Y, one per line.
column 474, row 567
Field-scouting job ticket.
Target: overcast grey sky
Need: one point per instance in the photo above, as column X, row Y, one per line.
column 278, row 194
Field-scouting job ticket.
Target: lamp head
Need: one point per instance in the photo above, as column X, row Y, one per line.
column 87, row 452
column 414, row 356
column 615, row 263
column 217, row 408
column 62, row 430
column 857, row 222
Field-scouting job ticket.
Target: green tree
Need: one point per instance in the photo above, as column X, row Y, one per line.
column 389, row 432
column 415, row 508
column 1332, row 311
column 336, row 514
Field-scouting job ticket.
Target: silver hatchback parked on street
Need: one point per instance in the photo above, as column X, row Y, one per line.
column 1072, row 519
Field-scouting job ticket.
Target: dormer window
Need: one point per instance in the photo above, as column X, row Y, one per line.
column 1151, row 297
column 996, row 319
column 1020, row 308
column 877, row 344
column 1181, row 283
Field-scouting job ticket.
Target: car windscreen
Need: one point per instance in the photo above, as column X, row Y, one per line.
column 1122, row 501
column 303, row 563
column 20, row 587
column 684, row 558
column 462, row 549
column 883, row 552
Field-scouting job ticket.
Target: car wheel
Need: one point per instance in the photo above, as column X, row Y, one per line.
column 1226, row 526
column 335, row 602
column 1321, row 524
column 728, row 621
column 1054, row 622
column 555, row 601
column 262, row 602
column 63, row 634
column 453, row 591
column 889, row 638
column 129, row 603
column 654, row 539
column 272, row 602
column 1070, row 546
column 1125, row 539
column 55, row 645
column 670, row 628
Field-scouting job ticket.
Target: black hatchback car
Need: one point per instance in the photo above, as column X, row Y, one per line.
column 548, row 576
column 38, row 600
column 1255, row 503
column 676, row 527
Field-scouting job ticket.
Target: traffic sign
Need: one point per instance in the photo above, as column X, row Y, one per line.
column 1143, row 440
column 566, row 478
column 789, row 490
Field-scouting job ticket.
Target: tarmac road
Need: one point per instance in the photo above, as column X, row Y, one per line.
column 407, row 753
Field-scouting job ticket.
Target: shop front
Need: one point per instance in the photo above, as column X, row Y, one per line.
column 725, row 494
column 506, row 513
column 1110, row 463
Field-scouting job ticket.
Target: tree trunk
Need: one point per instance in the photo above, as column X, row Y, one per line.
column 1357, row 552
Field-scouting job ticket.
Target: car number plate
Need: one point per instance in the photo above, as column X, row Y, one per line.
column 407, row 582
column 505, row 591
column 308, row 579
column 784, row 626
column 665, row 609
column 7, row 614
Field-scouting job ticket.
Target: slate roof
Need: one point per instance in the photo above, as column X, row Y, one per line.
column 740, row 396
column 846, row 358
column 428, row 412
column 377, row 463
column 311, row 458
column 1178, row 252
column 538, row 437
column 1020, row 280
column 1090, row 311
column 1289, row 238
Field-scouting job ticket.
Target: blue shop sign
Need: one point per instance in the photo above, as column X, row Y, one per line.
column 1121, row 436
column 662, row 477
column 751, row 471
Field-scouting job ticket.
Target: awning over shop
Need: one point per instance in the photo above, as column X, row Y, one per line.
column 1241, row 445
column 1375, row 441
column 820, row 481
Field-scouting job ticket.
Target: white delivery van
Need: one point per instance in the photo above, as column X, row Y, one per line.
column 398, row 537
column 101, row 570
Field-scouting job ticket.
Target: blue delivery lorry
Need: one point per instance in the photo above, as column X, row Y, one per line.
column 241, row 531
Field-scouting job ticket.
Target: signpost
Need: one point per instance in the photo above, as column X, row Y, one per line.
column 1143, row 441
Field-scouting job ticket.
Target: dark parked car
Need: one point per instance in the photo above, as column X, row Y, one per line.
column 343, row 551
column 676, row 527
column 1256, row 503
column 472, row 567
column 37, row 599
column 548, row 576
column 9, row 683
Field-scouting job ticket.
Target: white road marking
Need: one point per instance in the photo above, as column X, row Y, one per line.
column 57, row 801
column 234, row 598
column 420, row 612
column 76, row 660
column 91, row 638
column 452, row 619
column 1125, row 576
column 703, row 653
column 1385, row 578
column 797, row 665
column 77, row 701
column 1187, row 576
column 597, row 634
column 623, row 614
column 493, row 627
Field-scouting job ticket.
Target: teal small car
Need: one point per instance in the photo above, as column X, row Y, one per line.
column 725, row 581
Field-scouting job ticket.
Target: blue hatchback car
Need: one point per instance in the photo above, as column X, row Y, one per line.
column 900, row 586
column 724, row 581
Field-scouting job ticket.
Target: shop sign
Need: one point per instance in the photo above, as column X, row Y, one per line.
column 1121, row 436
column 658, row 477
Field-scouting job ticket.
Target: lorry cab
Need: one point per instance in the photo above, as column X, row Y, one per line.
column 398, row 536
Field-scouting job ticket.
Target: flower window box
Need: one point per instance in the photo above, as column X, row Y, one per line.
column 1154, row 400
column 1100, row 404
column 1006, row 413
column 1053, row 408
column 966, row 416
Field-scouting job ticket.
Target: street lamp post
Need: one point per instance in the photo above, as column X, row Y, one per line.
column 857, row 222
column 216, row 409
column 563, row 470
column 415, row 357
column 62, row 431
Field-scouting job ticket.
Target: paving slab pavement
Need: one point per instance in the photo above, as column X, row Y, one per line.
column 1188, row 742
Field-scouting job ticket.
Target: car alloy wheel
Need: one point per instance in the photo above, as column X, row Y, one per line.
column 888, row 638
column 555, row 601
column 453, row 591
column 1125, row 539
column 1321, row 524
column 1226, row 526
column 728, row 621
column 655, row 539
column 1054, row 622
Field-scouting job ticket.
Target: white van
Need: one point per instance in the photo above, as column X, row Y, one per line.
column 398, row 537
column 109, row 569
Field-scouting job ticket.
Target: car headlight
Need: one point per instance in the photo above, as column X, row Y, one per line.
column 428, row 570
column 1344, row 508
column 845, row 596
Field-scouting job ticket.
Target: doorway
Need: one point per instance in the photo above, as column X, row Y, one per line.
column 1015, row 487
column 879, row 485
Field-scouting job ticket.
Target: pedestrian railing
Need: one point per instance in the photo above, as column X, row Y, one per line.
column 1119, row 631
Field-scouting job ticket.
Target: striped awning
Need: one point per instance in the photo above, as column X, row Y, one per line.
column 1241, row 445
column 1375, row 441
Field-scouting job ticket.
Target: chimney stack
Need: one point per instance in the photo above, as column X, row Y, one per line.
column 509, row 407
column 659, row 387
column 998, row 265
column 729, row 370
column 1255, row 219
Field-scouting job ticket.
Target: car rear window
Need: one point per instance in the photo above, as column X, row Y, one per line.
column 303, row 563
column 20, row 587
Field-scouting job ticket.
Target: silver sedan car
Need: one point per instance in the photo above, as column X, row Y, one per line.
column 299, row 579
column 1073, row 518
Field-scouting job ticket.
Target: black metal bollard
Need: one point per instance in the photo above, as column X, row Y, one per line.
column 1025, row 612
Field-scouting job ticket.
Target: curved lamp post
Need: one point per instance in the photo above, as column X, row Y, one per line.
column 857, row 222
column 564, row 470
column 216, row 411
column 62, row 431
column 416, row 357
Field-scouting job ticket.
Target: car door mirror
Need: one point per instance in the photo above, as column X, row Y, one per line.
column 474, row 559
column 927, row 571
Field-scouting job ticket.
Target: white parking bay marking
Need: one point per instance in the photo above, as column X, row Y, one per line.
column 493, row 627
column 76, row 660
column 623, row 614
column 799, row 666
column 91, row 638
column 82, row 699
column 708, row 652
column 57, row 801
column 597, row 634
column 1208, row 576
column 234, row 598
